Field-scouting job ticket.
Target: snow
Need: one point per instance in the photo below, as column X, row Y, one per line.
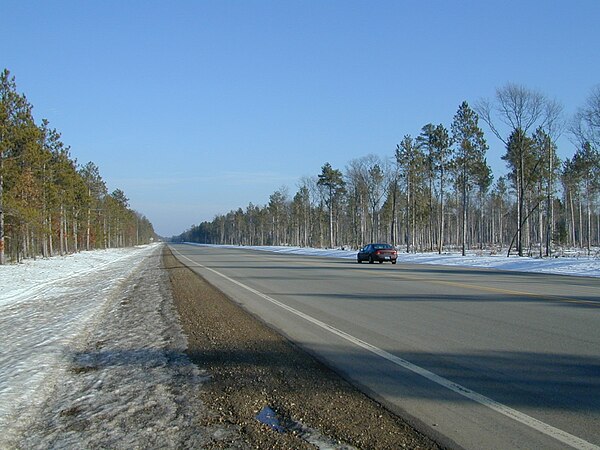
column 92, row 354
column 576, row 266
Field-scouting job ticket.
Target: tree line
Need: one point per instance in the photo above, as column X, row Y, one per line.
column 48, row 203
column 437, row 191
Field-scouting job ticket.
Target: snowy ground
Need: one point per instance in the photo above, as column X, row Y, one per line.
column 72, row 330
column 580, row 266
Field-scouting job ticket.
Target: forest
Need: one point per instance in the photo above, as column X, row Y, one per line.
column 436, row 192
column 49, row 204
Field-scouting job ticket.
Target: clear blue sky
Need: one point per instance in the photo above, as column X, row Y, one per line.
column 195, row 108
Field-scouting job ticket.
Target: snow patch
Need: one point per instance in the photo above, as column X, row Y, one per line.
column 93, row 356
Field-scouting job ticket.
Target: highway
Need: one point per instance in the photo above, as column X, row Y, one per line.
column 474, row 358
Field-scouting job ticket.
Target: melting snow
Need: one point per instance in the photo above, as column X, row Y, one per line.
column 93, row 356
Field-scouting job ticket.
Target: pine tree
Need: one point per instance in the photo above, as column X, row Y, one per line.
column 546, row 171
column 586, row 165
column 521, row 160
column 411, row 161
column 96, row 190
column 332, row 180
column 471, row 148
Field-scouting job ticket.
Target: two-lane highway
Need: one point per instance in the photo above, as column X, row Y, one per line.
column 477, row 358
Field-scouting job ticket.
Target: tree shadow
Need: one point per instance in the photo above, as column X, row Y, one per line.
column 518, row 379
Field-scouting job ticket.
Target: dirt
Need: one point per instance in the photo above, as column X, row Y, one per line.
column 252, row 367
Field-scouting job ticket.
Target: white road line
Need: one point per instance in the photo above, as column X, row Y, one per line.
column 549, row 430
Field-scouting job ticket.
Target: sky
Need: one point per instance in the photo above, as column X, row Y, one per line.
column 195, row 108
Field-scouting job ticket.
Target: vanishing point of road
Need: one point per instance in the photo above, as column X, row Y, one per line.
column 475, row 358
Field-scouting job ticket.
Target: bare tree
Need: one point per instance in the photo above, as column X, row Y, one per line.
column 519, row 109
column 585, row 126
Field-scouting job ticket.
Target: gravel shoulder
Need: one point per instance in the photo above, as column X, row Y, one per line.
column 252, row 367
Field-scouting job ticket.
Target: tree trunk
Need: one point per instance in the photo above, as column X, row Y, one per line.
column 74, row 228
column 441, row 231
column 2, row 256
column 393, row 224
column 521, row 204
column 589, row 219
column 408, row 200
column 430, row 230
column 50, row 236
column 330, row 218
column 580, row 235
column 549, row 206
column 87, row 230
column 464, row 219
column 541, row 227
column 480, row 228
column 61, row 231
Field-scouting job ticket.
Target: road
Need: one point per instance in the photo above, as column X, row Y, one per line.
column 475, row 358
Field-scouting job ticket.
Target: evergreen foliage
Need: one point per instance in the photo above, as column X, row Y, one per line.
column 48, row 204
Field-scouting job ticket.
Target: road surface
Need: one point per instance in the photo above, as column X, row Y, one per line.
column 475, row 358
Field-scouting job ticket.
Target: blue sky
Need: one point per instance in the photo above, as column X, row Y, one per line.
column 195, row 108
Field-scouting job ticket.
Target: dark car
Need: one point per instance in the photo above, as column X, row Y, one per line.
column 377, row 252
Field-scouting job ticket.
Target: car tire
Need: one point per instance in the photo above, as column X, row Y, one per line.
column 380, row 262
column 359, row 261
column 371, row 260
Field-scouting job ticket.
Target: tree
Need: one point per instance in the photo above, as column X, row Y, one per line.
column 586, row 164
column 471, row 148
column 499, row 199
column 546, row 172
column 585, row 126
column 300, row 215
column 15, row 112
column 426, row 143
column 483, row 180
column 410, row 161
column 520, row 109
column 443, row 156
column 96, row 190
column 24, row 196
column 43, row 194
column 520, row 159
column 332, row 180
column 277, row 209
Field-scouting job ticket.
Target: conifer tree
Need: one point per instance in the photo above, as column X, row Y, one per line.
column 471, row 148
column 411, row 161
column 332, row 180
column 586, row 165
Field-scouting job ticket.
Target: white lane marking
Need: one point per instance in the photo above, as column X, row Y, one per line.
column 549, row 430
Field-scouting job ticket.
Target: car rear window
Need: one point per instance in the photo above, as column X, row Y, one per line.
column 382, row 246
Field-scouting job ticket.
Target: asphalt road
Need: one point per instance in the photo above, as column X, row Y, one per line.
column 475, row 358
